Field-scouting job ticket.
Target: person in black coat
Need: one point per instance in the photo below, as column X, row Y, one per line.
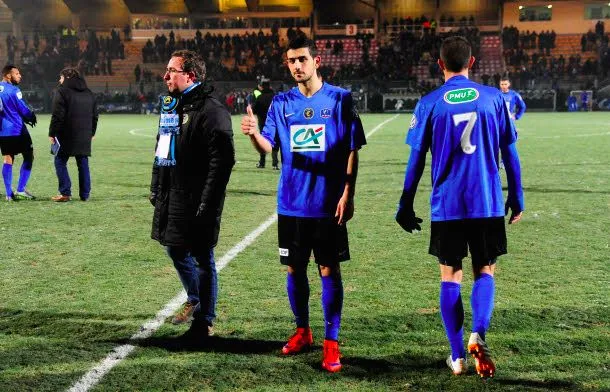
column 73, row 126
column 260, row 109
column 193, row 162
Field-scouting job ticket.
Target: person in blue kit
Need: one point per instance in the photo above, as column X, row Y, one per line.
column 514, row 102
column 14, row 136
column 464, row 125
column 320, row 134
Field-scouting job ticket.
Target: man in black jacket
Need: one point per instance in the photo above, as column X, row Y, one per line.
column 260, row 109
column 193, row 162
column 73, row 126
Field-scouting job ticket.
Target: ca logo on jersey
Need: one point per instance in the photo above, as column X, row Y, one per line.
column 310, row 137
column 461, row 95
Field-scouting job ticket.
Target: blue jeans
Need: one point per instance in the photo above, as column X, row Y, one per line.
column 84, row 177
column 199, row 279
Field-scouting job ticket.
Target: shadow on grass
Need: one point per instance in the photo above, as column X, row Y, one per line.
column 247, row 192
column 219, row 344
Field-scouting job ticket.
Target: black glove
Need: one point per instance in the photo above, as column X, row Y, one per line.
column 201, row 210
column 407, row 220
column 515, row 210
column 153, row 198
column 32, row 121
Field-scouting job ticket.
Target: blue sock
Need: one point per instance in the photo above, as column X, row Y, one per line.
column 24, row 175
column 452, row 312
column 7, row 175
column 482, row 302
column 332, row 304
column 297, row 287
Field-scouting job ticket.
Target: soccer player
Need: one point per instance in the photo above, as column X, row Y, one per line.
column 320, row 134
column 514, row 102
column 14, row 136
column 465, row 125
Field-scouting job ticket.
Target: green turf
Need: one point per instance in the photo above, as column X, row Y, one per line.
column 78, row 279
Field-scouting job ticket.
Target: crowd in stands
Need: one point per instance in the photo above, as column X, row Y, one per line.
column 529, row 67
column 236, row 57
column 398, row 24
column 50, row 50
column 183, row 23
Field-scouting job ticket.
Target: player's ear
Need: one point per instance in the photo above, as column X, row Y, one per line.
column 441, row 64
column 317, row 60
column 471, row 62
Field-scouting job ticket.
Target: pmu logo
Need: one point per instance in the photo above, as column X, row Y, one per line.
column 310, row 137
column 461, row 95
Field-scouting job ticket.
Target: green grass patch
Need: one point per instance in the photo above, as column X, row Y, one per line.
column 79, row 278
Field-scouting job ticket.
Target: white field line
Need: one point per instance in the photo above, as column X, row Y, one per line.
column 135, row 132
column 93, row 376
column 118, row 354
column 380, row 125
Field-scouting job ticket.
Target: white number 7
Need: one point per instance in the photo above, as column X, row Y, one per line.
column 471, row 117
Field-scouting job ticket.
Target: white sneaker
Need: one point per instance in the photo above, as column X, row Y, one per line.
column 458, row 367
column 482, row 357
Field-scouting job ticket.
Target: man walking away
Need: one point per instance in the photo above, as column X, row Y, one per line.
column 73, row 126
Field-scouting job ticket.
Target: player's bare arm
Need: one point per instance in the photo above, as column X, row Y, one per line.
column 249, row 127
column 345, row 206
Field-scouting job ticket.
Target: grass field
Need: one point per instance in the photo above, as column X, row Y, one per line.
column 78, row 279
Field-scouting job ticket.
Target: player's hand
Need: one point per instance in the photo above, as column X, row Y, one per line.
column 32, row 121
column 345, row 210
column 515, row 211
column 407, row 220
column 249, row 122
column 152, row 198
column 52, row 139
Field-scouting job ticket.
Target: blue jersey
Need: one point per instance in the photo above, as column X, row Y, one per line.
column 515, row 103
column 13, row 110
column 316, row 135
column 464, row 124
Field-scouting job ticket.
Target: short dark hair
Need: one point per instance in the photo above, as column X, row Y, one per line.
column 302, row 41
column 192, row 62
column 7, row 69
column 69, row 72
column 455, row 53
column 505, row 79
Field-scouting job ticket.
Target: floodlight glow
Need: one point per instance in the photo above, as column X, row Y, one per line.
column 520, row 7
column 549, row 6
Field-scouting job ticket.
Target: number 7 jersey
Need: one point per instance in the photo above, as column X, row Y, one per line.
column 464, row 124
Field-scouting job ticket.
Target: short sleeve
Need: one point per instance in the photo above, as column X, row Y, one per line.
column 352, row 121
column 269, row 129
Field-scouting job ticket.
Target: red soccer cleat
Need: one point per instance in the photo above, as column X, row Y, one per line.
column 482, row 358
column 299, row 342
column 331, row 360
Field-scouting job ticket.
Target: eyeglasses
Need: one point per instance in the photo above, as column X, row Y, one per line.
column 174, row 70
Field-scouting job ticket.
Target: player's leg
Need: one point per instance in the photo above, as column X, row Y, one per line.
column 261, row 160
column 448, row 243
column 208, row 293
column 482, row 303
column 84, row 177
column 63, row 178
column 26, row 166
column 487, row 241
column 188, row 273
column 332, row 248
column 294, row 248
column 7, row 176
